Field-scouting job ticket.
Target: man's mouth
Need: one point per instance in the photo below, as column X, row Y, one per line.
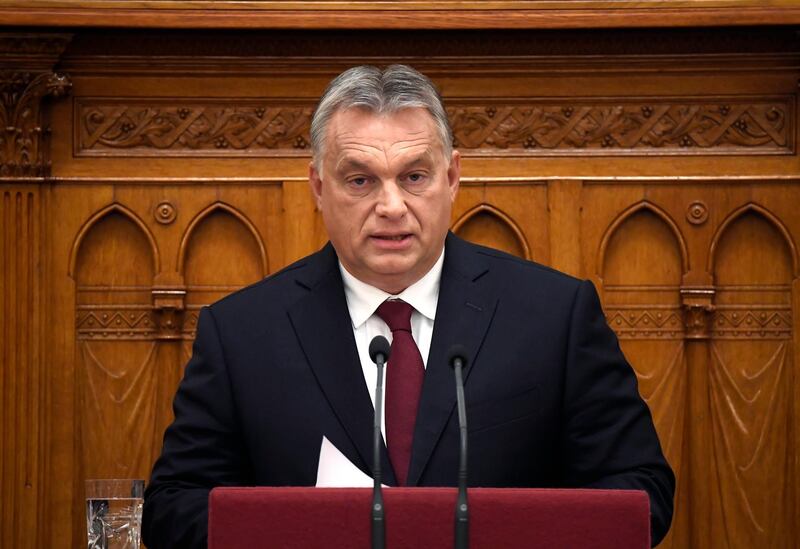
column 397, row 237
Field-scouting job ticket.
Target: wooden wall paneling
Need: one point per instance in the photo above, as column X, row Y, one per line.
column 642, row 257
column 751, row 382
column 398, row 14
column 70, row 207
column 22, row 435
column 564, row 205
column 795, row 434
column 508, row 215
column 145, row 258
column 616, row 156
column 26, row 79
column 300, row 218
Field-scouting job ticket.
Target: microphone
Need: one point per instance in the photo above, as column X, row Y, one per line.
column 458, row 361
column 379, row 351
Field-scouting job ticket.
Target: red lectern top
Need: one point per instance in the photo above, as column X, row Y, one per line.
column 333, row 518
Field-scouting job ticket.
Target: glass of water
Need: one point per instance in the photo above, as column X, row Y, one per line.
column 114, row 513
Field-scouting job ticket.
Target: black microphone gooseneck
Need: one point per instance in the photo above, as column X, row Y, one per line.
column 379, row 349
column 458, row 361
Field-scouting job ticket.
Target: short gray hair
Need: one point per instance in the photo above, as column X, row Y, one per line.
column 382, row 92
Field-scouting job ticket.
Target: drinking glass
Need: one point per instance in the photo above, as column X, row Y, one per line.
column 114, row 513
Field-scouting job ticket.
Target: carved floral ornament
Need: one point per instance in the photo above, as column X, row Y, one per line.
column 22, row 151
column 131, row 127
column 25, row 79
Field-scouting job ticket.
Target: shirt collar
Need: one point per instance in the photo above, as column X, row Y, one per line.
column 363, row 299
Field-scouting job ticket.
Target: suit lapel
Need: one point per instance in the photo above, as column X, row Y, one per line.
column 464, row 312
column 322, row 323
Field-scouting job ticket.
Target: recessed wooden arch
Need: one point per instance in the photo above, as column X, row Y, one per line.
column 235, row 213
column 629, row 213
column 769, row 217
column 499, row 214
column 97, row 217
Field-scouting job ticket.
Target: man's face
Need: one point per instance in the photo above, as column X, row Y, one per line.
column 386, row 191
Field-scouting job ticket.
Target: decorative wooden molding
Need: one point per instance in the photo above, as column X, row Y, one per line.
column 646, row 321
column 26, row 79
column 697, row 212
column 501, row 217
column 160, row 320
column 168, row 306
column 518, row 127
column 211, row 127
column 442, row 14
column 33, row 50
column 770, row 217
column 116, row 322
column 623, row 126
column 752, row 322
column 698, row 307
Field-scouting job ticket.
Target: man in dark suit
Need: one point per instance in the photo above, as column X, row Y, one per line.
column 279, row 370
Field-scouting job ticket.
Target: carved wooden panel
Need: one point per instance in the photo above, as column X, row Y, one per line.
column 116, row 346
column 22, row 453
column 222, row 253
column 508, row 216
column 134, row 127
column 643, row 257
column 751, row 381
column 661, row 125
column 660, row 164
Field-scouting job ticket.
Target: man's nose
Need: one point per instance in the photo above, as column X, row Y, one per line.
column 391, row 200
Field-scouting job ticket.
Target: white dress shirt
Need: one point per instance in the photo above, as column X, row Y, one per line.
column 362, row 301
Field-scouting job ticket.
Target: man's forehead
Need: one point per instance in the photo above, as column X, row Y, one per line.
column 415, row 122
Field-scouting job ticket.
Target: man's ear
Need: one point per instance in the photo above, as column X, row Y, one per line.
column 454, row 174
column 315, row 182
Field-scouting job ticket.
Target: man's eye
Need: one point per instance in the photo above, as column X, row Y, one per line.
column 416, row 177
column 358, row 181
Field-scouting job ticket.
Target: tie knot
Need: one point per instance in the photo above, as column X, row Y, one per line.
column 397, row 314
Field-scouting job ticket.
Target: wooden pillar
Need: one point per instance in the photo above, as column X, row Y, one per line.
column 25, row 79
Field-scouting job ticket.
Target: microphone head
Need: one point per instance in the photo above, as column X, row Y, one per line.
column 457, row 352
column 379, row 346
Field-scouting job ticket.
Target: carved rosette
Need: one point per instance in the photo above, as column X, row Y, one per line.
column 25, row 80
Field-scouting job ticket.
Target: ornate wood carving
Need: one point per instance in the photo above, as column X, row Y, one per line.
column 26, row 78
column 698, row 306
column 117, row 322
column 646, row 321
column 670, row 126
column 752, row 322
column 168, row 305
column 163, row 319
column 697, row 212
column 625, row 126
column 231, row 127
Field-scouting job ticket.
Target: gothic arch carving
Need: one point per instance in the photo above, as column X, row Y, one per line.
column 767, row 216
column 99, row 216
column 627, row 214
column 227, row 208
column 501, row 217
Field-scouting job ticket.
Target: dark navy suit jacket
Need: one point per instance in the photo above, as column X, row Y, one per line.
column 552, row 401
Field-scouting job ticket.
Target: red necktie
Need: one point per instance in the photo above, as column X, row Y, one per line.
column 404, row 375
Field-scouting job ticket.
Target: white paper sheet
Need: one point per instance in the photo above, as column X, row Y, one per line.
column 336, row 471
